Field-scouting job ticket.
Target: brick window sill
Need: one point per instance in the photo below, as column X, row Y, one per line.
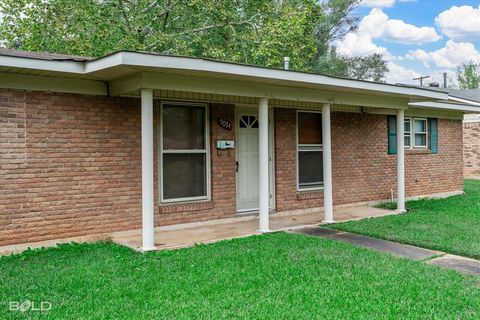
column 307, row 195
column 186, row 206
column 417, row 151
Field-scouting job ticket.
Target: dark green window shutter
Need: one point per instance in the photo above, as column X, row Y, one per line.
column 392, row 134
column 433, row 133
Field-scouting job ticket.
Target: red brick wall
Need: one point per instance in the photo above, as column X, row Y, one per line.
column 362, row 169
column 76, row 166
column 70, row 165
column 471, row 147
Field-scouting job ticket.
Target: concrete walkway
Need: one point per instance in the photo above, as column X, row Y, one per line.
column 438, row 258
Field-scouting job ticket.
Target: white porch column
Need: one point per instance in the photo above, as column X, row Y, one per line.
column 327, row 165
column 400, row 161
column 148, row 231
column 263, row 165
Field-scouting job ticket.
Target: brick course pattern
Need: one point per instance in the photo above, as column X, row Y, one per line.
column 70, row 165
column 362, row 169
column 471, row 148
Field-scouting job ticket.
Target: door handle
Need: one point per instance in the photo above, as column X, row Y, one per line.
column 236, row 166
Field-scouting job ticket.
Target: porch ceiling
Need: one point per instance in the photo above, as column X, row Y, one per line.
column 131, row 85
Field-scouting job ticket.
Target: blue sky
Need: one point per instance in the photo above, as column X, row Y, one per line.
column 417, row 37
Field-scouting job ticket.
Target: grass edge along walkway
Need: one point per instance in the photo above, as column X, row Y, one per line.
column 448, row 261
column 450, row 225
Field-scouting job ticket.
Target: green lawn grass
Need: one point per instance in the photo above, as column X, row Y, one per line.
column 274, row 276
column 451, row 225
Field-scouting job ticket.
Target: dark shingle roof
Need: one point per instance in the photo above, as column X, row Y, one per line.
column 470, row 94
column 40, row 55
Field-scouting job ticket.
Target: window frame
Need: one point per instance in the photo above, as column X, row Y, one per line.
column 413, row 133
column 205, row 151
column 311, row 147
column 407, row 133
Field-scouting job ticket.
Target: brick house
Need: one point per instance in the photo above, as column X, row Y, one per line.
column 471, row 145
column 471, row 137
column 471, row 129
column 136, row 141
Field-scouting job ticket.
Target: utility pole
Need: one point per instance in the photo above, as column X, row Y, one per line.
column 421, row 79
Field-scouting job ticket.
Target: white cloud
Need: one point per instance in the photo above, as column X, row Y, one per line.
column 420, row 55
column 400, row 74
column 448, row 57
column 380, row 26
column 398, row 31
column 359, row 44
column 377, row 25
column 381, row 3
column 377, row 3
column 460, row 23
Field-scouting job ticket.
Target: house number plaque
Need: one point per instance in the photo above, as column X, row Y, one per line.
column 225, row 124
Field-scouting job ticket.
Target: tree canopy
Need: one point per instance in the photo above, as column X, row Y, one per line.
column 259, row 32
column 468, row 76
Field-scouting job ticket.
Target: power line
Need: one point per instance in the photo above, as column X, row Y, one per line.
column 421, row 79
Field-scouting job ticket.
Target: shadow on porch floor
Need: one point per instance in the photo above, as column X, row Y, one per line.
column 185, row 235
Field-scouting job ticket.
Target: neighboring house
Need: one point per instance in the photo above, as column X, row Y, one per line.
column 471, row 138
column 471, row 145
column 135, row 140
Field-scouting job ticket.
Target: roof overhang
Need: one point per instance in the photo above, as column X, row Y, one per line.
column 446, row 106
column 123, row 65
column 25, row 63
column 464, row 101
column 217, row 69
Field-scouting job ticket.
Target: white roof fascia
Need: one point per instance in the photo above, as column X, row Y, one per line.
column 100, row 64
column 471, row 120
column 68, row 66
column 203, row 65
column 445, row 106
column 470, row 102
column 209, row 66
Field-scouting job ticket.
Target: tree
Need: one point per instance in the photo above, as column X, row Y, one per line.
column 256, row 31
column 337, row 22
column 371, row 67
column 259, row 32
column 468, row 76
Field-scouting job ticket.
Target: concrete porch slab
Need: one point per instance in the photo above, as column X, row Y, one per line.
column 180, row 236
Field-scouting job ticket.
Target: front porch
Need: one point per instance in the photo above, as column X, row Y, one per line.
column 263, row 154
column 217, row 167
column 186, row 235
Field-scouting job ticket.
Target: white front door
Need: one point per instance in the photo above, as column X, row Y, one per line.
column 247, row 161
